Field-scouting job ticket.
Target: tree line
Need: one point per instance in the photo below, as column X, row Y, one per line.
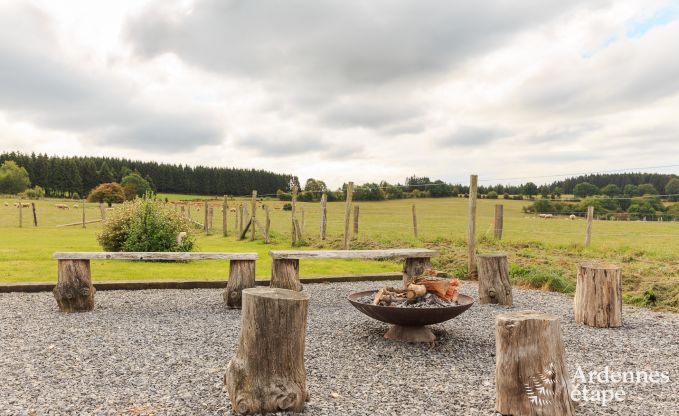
column 68, row 176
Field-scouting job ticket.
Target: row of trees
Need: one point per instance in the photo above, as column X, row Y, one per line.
column 632, row 208
column 66, row 176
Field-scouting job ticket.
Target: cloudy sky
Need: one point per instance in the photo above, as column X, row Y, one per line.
column 347, row 90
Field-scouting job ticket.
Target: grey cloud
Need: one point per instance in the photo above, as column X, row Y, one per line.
column 39, row 86
column 315, row 53
column 277, row 145
column 566, row 132
column 473, row 136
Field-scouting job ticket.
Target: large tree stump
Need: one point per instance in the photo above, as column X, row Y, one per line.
column 267, row 372
column 494, row 284
column 531, row 377
column 285, row 274
column 414, row 267
column 598, row 295
column 241, row 276
column 74, row 291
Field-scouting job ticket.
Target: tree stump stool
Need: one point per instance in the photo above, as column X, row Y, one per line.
column 530, row 372
column 241, row 276
column 285, row 274
column 494, row 286
column 414, row 267
column 598, row 295
column 267, row 374
column 74, row 291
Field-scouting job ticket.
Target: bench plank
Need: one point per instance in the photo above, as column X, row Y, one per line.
column 103, row 255
column 353, row 254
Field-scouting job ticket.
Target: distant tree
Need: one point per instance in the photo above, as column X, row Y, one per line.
column 417, row 182
column 544, row 191
column 106, row 174
column 611, row 190
column 13, row 178
column 585, row 189
column 315, row 188
column 672, row 189
column 530, row 189
column 647, row 189
column 558, row 191
column 108, row 193
column 391, row 191
column 368, row 192
column 491, row 195
column 631, row 190
column 440, row 189
column 134, row 185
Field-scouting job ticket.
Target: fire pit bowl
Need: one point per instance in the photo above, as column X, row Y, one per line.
column 408, row 324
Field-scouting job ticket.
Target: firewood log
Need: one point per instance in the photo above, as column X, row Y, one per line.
column 416, row 291
column 439, row 287
column 378, row 296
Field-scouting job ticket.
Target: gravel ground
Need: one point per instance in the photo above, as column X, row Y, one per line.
column 163, row 352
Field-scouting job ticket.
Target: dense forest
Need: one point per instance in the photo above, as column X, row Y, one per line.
column 65, row 176
column 658, row 180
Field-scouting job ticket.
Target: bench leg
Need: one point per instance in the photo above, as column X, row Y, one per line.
column 74, row 291
column 241, row 276
column 414, row 267
column 285, row 274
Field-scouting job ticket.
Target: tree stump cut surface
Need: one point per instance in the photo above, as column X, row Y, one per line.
column 598, row 295
column 285, row 274
column 74, row 291
column 267, row 372
column 494, row 286
column 531, row 377
column 241, row 276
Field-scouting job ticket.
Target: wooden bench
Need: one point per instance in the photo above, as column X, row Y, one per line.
column 74, row 291
column 285, row 263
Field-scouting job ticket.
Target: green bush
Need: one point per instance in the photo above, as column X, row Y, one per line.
column 36, row 192
column 145, row 224
column 287, row 207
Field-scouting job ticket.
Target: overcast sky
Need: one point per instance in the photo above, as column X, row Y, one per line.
column 347, row 90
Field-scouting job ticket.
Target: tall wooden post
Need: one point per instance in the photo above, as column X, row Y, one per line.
column 267, row 225
column 414, row 221
column 241, row 208
column 183, row 211
column 301, row 227
column 356, row 211
column 293, row 232
column 324, row 214
column 471, row 229
column 83, row 213
column 21, row 215
column 102, row 211
column 188, row 211
column 206, row 225
column 225, row 209
column 212, row 217
column 253, row 217
column 347, row 214
column 35, row 216
column 498, row 221
column 588, row 230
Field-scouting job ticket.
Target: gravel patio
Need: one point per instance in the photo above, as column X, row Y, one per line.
column 163, row 352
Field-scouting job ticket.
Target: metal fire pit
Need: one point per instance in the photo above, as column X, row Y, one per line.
column 408, row 324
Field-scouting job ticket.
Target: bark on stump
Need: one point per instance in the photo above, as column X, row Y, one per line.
column 285, row 274
column 414, row 267
column 267, row 372
column 598, row 295
column 241, row 276
column 494, row 286
column 531, row 377
column 74, row 291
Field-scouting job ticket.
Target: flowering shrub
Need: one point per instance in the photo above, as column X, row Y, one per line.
column 145, row 224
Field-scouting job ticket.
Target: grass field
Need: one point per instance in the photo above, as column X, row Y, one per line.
column 543, row 253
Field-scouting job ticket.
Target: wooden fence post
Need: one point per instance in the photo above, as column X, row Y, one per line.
column 293, row 233
column 206, row 225
column 253, row 218
column 301, row 226
column 183, row 211
column 102, row 211
column 498, row 221
column 212, row 217
column 347, row 214
column 188, row 211
column 414, row 221
column 35, row 216
column 83, row 213
column 267, row 225
column 356, row 211
column 225, row 208
column 471, row 229
column 588, row 230
column 21, row 214
column 324, row 215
